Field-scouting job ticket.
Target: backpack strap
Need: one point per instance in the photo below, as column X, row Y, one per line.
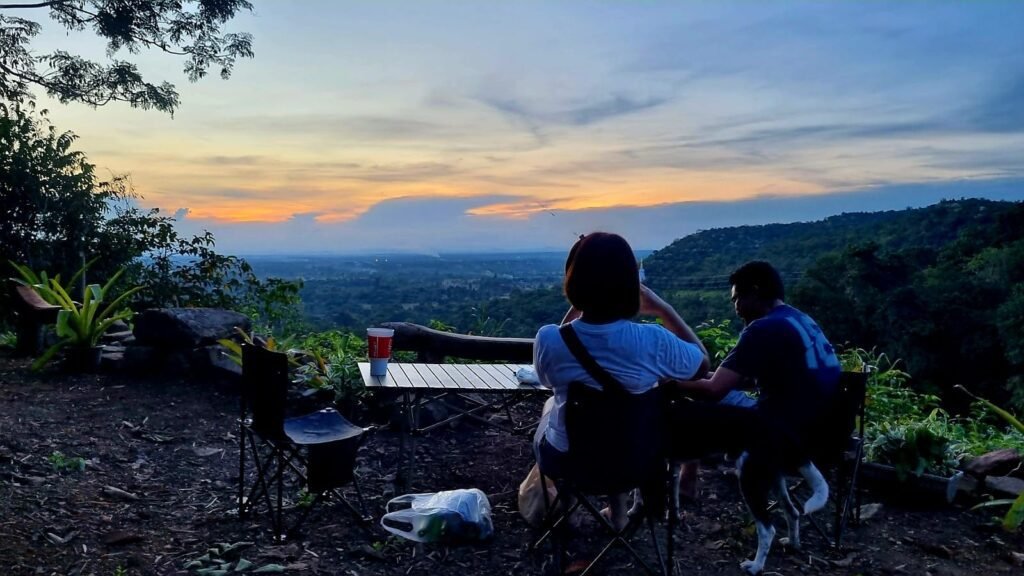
column 572, row 340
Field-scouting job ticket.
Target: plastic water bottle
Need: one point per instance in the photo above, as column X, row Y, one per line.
column 643, row 277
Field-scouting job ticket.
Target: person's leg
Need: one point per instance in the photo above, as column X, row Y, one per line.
column 542, row 427
column 616, row 512
column 686, row 488
column 698, row 429
column 738, row 398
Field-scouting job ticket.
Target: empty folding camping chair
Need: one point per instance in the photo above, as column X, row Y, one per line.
column 319, row 448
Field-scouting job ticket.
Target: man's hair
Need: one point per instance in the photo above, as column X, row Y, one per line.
column 761, row 277
column 601, row 277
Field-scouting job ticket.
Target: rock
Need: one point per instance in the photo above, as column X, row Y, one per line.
column 968, row 485
column 116, row 336
column 1016, row 558
column 1004, row 486
column 868, row 511
column 110, row 361
column 213, row 359
column 997, row 463
column 141, row 359
column 187, row 328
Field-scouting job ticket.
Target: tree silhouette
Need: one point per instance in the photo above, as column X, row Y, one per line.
column 187, row 28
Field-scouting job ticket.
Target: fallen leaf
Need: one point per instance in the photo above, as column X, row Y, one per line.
column 206, row 451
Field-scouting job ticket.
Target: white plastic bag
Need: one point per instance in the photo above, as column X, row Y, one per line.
column 449, row 517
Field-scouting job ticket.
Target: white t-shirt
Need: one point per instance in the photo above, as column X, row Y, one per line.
column 637, row 355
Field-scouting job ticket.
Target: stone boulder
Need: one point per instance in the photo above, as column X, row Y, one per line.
column 1004, row 486
column 997, row 463
column 187, row 328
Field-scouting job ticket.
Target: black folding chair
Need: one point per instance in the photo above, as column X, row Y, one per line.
column 841, row 452
column 319, row 448
column 615, row 445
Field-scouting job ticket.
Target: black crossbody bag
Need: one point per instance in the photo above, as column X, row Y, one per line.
column 606, row 380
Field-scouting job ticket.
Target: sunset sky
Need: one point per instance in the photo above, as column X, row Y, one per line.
column 475, row 126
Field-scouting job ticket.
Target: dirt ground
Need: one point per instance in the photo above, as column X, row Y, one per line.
column 161, row 466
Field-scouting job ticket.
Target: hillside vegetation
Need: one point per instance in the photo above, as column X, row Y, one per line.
column 941, row 287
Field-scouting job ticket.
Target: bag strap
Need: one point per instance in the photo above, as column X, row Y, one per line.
column 572, row 340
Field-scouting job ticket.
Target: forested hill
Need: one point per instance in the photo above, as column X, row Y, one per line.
column 705, row 259
column 939, row 288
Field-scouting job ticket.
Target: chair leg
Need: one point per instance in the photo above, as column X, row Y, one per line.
column 261, row 485
column 619, row 537
column 241, row 503
column 359, row 497
column 278, row 521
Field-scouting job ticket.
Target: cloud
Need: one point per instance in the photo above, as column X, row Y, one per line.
column 430, row 225
column 1003, row 110
column 535, row 115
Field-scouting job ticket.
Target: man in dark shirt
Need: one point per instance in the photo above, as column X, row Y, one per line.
column 797, row 372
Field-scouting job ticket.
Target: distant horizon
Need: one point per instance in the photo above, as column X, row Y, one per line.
column 384, row 252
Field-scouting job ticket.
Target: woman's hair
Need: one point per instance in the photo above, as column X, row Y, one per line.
column 601, row 277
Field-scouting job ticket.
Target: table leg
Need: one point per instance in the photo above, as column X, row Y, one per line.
column 406, row 444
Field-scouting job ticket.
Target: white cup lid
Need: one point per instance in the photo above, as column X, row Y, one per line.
column 380, row 332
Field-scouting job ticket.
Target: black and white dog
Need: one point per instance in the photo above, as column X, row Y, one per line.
column 766, row 531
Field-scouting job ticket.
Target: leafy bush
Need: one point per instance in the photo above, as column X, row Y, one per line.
column 718, row 337
column 55, row 209
column 913, row 448
column 911, row 431
column 334, row 366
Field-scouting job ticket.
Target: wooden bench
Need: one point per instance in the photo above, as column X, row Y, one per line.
column 32, row 314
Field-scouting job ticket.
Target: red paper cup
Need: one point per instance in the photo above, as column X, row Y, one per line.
column 378, row 344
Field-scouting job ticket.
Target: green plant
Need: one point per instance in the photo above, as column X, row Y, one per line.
column 120, row 571
column 718, row 338
column 233, row 349
column 334, row 366
column 32, row 279
column 483, row 324
column 914, row 448
column 8, row 339
column 82, row 324
column 1014, row 517
column 305, row 499
column 62, row 463
column 440, row 326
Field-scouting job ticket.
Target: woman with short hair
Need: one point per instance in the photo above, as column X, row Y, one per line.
column 604, row 290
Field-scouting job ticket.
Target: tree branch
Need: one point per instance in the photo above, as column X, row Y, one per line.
column 36, row 5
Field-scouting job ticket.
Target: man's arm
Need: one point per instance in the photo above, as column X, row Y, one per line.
column 713, row 388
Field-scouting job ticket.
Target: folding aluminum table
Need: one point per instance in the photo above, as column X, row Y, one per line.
column 481, row 387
